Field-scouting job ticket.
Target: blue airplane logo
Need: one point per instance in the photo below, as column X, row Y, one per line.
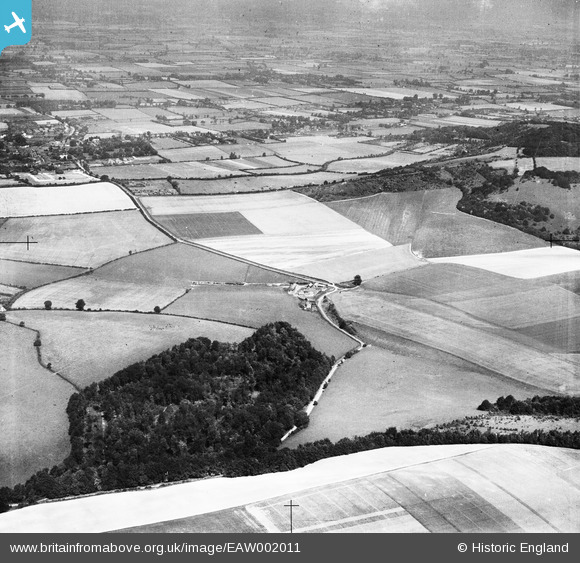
column 15, row 22
column 18, row 22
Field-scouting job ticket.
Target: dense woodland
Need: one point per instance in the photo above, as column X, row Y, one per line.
column 198, row 409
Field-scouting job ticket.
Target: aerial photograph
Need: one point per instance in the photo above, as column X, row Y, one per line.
column 290, row 266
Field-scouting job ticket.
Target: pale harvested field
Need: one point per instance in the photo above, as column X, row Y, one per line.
column 556, row 163
column 431, row 221
column 89, row 347
column 474, row 341
column 177, row 170
column 26, row 274
column 87, row 240
column 168, row 143
column 26, row 201
column 379, row 163
column 297, row 232
column 32, row 410
column 524, row 264
column 142, row 281
column 258, row 305
column 457, row 488
column 407, row 388
column 186, row 153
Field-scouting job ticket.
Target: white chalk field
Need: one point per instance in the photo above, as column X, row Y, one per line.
column 523, row 264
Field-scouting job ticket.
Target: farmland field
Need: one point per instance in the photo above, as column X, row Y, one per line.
column 457, row 488
column 258, row 183
column 536, row 308
column 85, row 240
column 32, row 411
column 26, row 274
column 208, row 225
column 257, row 305
column 407, row 386
column 116, row 339
column 443, row 328
column 187, row 153
column 379, row 163
column 431, row 221
column 26, row 201
column 298, row 232
column 177, row 170
column 144, row 280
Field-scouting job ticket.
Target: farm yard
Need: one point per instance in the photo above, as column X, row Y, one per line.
column 82, row 240
column 32, row 411
column 256, row 306
column 147, row 279
column 456, row 488
column 298, row 233
column 26, row 201
column 446, row 329
column 116, row 339
column 431, row 221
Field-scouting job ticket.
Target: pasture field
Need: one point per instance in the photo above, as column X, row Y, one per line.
column 117, row 340
column 474, row 341
column 318, row 149
column 379, row 163
column 127, row 114
column 86, row 240
column 556, row 163
column 208, row 225
column 431, row 221
column 563, row 204
column 144, row 280
column 26, row 201
column 28, row 275
column 60, row 95
column 408, row 386
column 175, row 93
column 256, row 306
column 460, row 488
column 32, row 411
column 524, row 264
column 298, row 232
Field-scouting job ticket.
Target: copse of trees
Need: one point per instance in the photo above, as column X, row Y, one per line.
column 538, row 405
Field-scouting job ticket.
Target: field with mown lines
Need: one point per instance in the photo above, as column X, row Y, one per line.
column 144, row 280
column 26, row 274
column 257, row 305
column 523, row 264
column 375, row 164
column 86, row 240
column 476, row 344
column 26, row 201
column 299, row 234
column 461, row 488
column 91, row 346
column 32, row 410
column 406, row 386
column 431, row 221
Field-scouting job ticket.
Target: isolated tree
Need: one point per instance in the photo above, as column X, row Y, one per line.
column 80, row 304
column 157, row 309
column 48, row 305
column 357, row 280
column 2, row 316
